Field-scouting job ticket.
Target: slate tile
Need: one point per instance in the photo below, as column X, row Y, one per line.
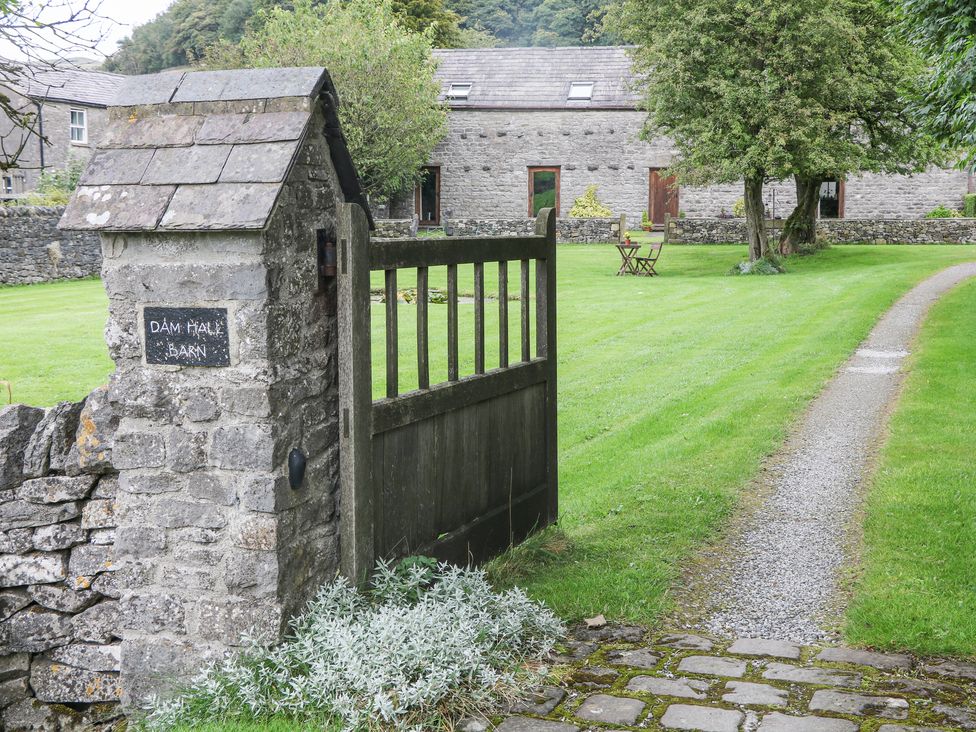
column 266, row 163
column 702, row 719
column 840, row 702
column 245, row 128
column 686, row 641
column 747, row 693
column 203, row 86
column 883, row 661
column 116, row 208
column 713, row 666
column 220, row 206
column 189, row 165
column 821, row 676
column 116, row 167
column 527, row 724
column 777, row 722
column 762, row 647
column 610, row 709
column 168, row 130
column 147, row 89
column 682, row 687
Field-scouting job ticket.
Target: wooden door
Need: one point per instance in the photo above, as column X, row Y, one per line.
column 662, row 198
column 428, row 197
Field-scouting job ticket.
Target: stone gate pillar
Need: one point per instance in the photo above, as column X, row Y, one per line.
column 214, row 193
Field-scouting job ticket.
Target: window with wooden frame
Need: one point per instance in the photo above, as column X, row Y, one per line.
column 543, row 189
column 428, row 197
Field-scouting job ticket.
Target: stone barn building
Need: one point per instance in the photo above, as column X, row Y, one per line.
column 71, row 105
column 532, row 127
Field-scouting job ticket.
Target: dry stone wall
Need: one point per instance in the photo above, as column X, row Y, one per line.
column 568, row 231
column 838, row 231
column 59, row 585
column 32, row 249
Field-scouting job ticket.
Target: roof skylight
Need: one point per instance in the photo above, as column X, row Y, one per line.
column 581, row 91
column 459, row 90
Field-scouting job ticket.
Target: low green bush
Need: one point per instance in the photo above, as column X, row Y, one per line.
column 739, row 209
column 771, row 264
column 969, row 206
column 943, row 212
column 425, row 644
column 54, row 187
column 588, row 206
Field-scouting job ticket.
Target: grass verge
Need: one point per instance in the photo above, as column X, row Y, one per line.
column 918, row 587
column 672, row 390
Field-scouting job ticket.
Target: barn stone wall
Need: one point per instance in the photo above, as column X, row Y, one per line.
column 838, row 231
column 59, row 585
column 32, row 249
column 485, row 157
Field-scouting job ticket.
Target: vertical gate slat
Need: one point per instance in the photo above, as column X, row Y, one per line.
column 423, row 363
column 452, row 323
column 545, row 278
column 392, row 367
column 479, row 318
column 526, row 349
column 503, row 314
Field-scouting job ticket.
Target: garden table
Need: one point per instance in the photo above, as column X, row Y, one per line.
column 628, row 253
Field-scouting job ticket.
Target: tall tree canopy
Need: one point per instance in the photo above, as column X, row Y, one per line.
column 534, row 23
column 767, row 90
column 391, row 128
column 945, row 33
column 182, row 33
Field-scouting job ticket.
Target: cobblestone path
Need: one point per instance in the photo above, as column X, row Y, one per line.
column 622, row 677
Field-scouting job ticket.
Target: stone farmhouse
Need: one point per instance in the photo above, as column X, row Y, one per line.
column 529, row 127
column 71, row 105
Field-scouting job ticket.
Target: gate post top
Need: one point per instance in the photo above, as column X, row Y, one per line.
column 207, row 151
column 213, row 192
column 545, row 223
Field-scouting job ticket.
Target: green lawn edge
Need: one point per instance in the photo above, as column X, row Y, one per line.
column 918, row 587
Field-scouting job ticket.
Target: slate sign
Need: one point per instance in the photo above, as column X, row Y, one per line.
column 187, row 336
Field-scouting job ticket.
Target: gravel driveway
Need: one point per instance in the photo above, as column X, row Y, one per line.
column 778, row 575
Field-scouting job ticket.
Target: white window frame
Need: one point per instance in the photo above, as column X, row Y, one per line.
column 581, row 91
column 8, row 185
column 459, row 90
column 83, row 127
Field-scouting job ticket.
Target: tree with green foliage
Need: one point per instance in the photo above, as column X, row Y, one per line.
column 768, row 90
column 945, row 33
column 180, row 35
column 420, row 15
column 862, row 89
column 534, row 23
column 391, row 127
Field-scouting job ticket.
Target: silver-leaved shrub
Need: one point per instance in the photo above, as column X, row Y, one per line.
column 425, row 644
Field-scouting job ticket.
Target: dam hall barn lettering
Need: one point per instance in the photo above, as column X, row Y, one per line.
column 186, row 336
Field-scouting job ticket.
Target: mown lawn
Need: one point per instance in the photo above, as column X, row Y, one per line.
column 672, row 390
column 51, row 341
column 918, row 590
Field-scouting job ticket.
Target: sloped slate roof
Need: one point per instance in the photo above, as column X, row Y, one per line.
column 179, row 165
column 537, row 78
column 90, row 88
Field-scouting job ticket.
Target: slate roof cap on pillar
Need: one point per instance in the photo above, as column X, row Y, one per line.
column 204, row 151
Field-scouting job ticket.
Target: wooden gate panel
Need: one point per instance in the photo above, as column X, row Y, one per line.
column 460, row 470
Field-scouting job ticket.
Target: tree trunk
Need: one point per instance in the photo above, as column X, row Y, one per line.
column 801, row 226
column 756, row 219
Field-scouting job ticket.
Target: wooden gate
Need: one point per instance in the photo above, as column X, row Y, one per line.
column 463, row 469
